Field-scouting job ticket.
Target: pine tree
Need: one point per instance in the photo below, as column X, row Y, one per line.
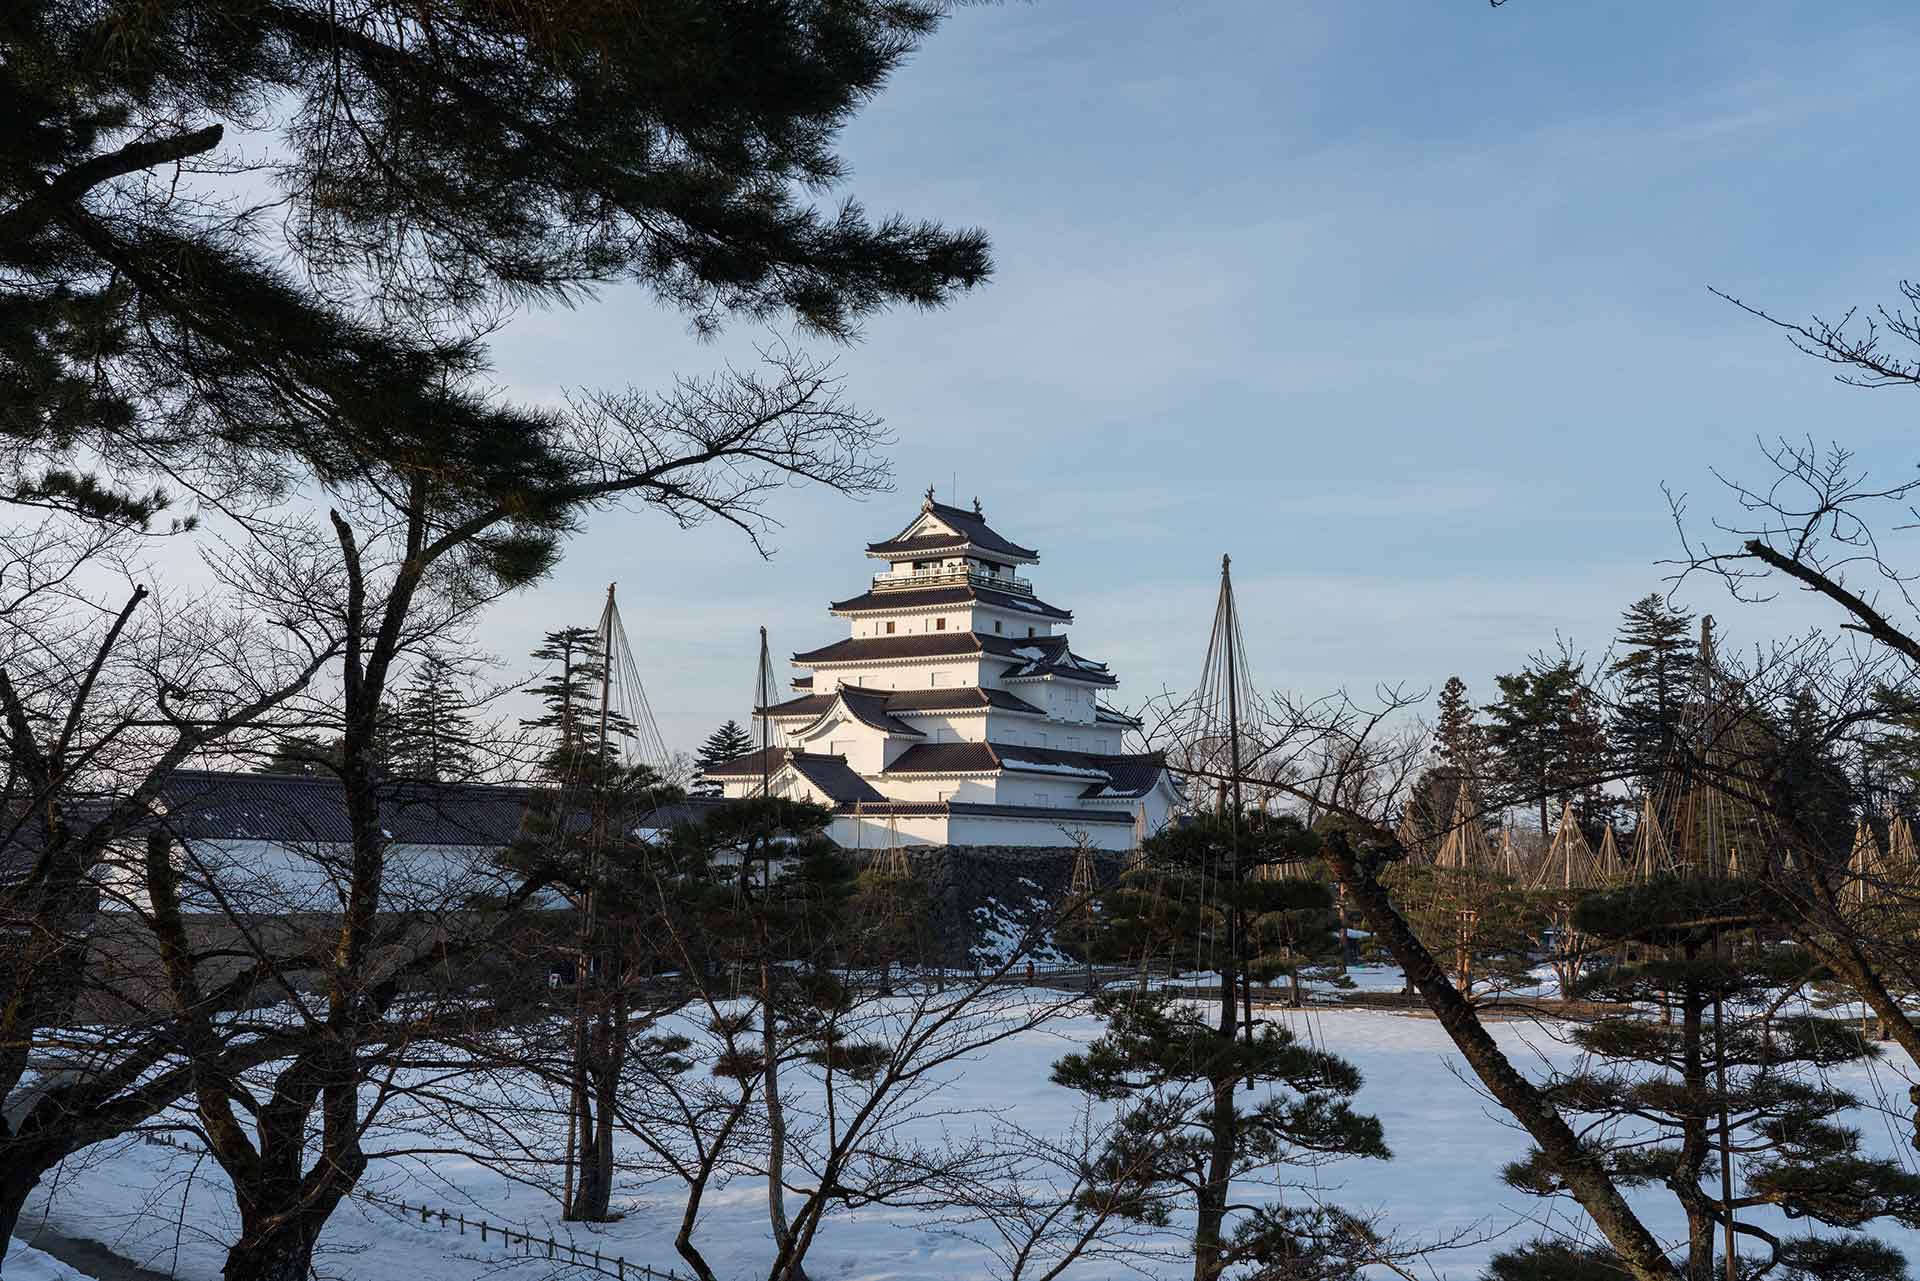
column 1655, row 670
column 1536, row 735
column 432, row 734
column 150, row 327
column 1184, row 1069
column 1734, row 1080
column 1458, row 738
column 727, row 743
column 308, row 754
column 778, row 909
column 571, row 696
column 578, row 838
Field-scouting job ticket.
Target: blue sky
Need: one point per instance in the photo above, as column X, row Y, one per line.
column 1405, row 305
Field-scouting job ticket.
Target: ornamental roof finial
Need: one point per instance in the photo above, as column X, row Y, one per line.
column 928, row 505
column 976, row 506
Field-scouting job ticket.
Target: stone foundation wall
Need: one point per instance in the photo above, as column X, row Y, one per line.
column 974, row 887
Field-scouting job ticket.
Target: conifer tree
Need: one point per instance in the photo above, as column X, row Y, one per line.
column 1730, row 1108
column 727, row 743
column 308, row 754
column 1212, row 1100
column 1655, row 671
column 577, row 836
column 516, row 155
column 431, row 738
column 1458, row 737
column 731, row 740
column 772, row 935
column 571, row 696
column 1543, row 736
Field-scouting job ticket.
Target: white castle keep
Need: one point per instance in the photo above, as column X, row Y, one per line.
column 955, row 712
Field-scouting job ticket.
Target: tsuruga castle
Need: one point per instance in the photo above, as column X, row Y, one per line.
column 955, row 711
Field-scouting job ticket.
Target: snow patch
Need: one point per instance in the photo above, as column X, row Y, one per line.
column 1045, row 767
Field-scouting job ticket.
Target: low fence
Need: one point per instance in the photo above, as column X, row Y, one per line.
column 507, row 1237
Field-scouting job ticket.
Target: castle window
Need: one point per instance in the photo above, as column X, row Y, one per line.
column 1029, row 631
column 939, row 624
column 996, row 627
column 889, row 627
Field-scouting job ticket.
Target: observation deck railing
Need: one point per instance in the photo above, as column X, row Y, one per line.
column 948, row 577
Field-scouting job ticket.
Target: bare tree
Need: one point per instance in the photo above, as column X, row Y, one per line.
column 104, row 694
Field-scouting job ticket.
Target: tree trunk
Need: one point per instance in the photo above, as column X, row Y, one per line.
column 275, row 1247
column 1685, row 1181
column 1210, row 1227
column 18, row 1179
column 776, row 1124
column 1588, row 1183
column 593, row 1192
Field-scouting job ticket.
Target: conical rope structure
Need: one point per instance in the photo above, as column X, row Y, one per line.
column 1414, row 841
column 1866, row 865
column 1901, row 855
column 1506, row 859
column 1607, row 857
column 1570, row 863
column 1650, row 854
column 1464, row 847
column 624, row 737
column 1712, row 812
column 1216, row 746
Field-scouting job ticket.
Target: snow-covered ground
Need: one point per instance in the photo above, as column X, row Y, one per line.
column 171, row 1210
column 24, row 1263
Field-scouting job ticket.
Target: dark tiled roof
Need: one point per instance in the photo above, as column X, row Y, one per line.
column 954, row 698
column 932, row 596
column 1050, row 651
column 748, row 766
column 803, row 682
column 834, row 777
column 918, row 645
column 957, row 698
column 869, row 707
column 809, row 705
column 1112, row 716
column 1011, row 646
column 1105, row 776
column 945, row 758
column 972, row 528
column 216, row 805
column 1055, row 659
column 1131, row 775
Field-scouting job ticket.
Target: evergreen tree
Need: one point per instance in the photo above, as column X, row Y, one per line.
column 1184, row 1070
column 1458, row 737
column 578, row 837
column 431, row 739
column 1538, row 735
column 571, row 696
column 321, row 755
column 1655, row 671
column 1734, row 1080
column 724, row 744
column 727, row 743
column 777, row 932
column 308, row 754
column 518, row 154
